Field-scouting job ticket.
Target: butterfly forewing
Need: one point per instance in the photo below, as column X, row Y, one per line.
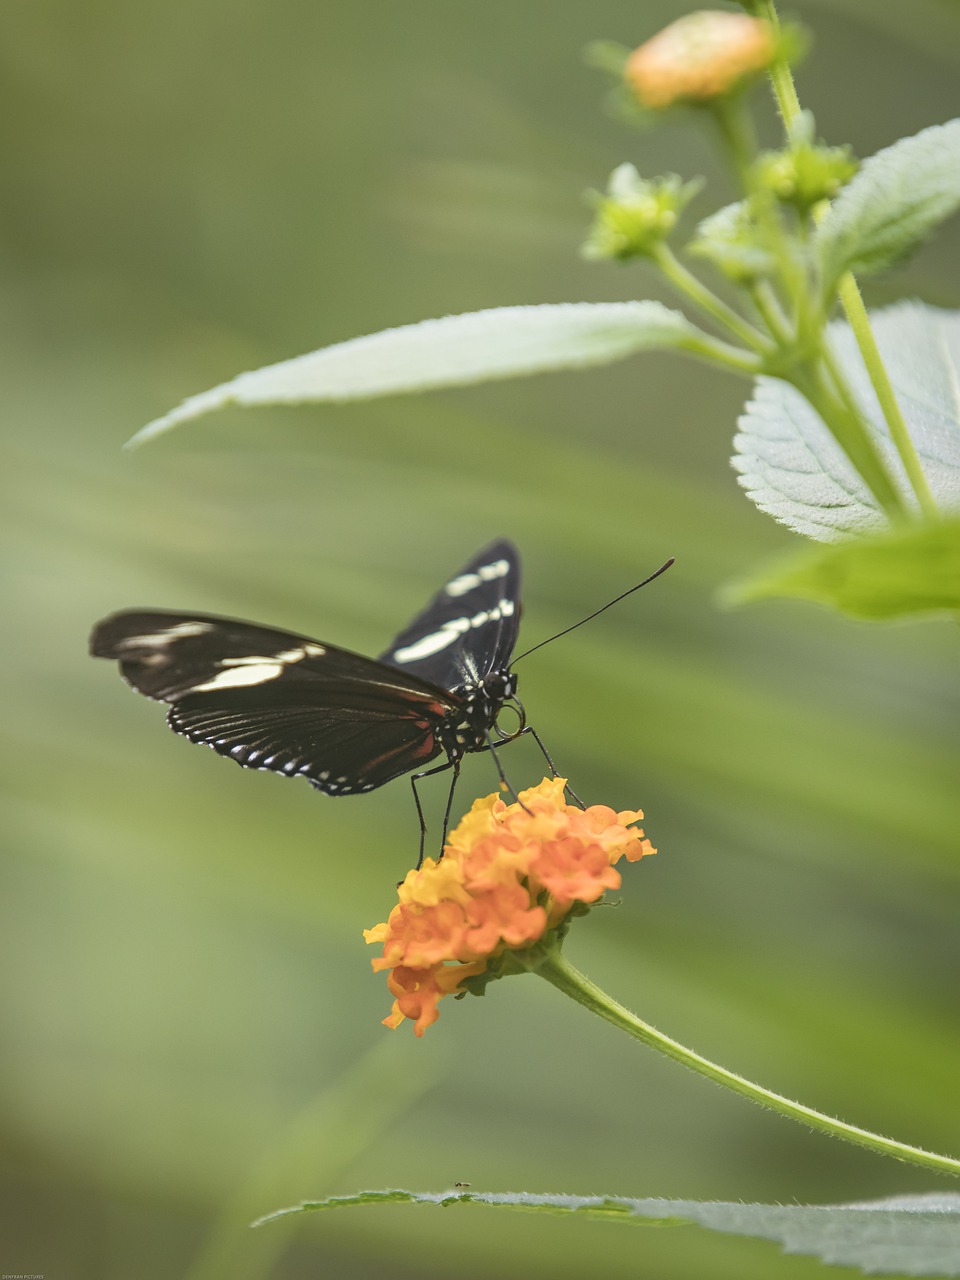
column 469, row 628
column 275, row 700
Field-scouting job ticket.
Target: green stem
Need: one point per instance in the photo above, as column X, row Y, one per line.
column 571, row 982
column 736, row 130
column 686, row 282
column 789, row 106
column 768, row 306
column 722, row 354
column 846, row 425
column 781, row 77
column 859, row 322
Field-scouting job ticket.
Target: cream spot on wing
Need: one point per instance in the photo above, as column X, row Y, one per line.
column 297, row 655
column 176, row 632
column 451, row 631
column 434, row 642
column 460, row 586
column 486, row 573
column 254, row 671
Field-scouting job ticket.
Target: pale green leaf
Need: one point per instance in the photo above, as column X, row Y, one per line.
column 505, row 342
column 897, row 198
column 793, row 468
column 915, row 1235
column 892, row 574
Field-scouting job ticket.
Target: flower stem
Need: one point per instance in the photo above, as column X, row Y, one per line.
column 844, row 422
column 558, row 971
column 713, row 351
column 736, row 131
column 789, row 106
column 856, row 314
column 768, row 305
column 781, row 76
column 686, row 282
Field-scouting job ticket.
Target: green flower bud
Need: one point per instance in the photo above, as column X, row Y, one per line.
column 636, row 214
column 806, row 173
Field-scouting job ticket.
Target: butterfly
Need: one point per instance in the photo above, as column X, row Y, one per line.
column 275, row 700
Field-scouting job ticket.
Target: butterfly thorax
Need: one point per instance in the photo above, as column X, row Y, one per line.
column 468, row 729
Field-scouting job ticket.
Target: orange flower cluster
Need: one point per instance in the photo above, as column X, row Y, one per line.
column 509, row 875
column 699, row 57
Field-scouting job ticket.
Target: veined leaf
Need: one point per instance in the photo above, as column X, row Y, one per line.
column 916, row 1235
column 915, row 569
column 793, row 468
column 505, row 342
column 897, row 198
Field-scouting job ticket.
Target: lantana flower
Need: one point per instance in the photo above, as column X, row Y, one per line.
column 511, row 877
column 500, row 901
column 700, row 57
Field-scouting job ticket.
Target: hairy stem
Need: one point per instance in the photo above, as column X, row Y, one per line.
column 880, row 380
column 571, row 982
column 687, row 283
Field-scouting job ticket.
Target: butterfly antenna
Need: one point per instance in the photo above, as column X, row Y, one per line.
column 589, row 618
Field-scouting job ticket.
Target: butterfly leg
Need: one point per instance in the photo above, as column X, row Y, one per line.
column 549, row 759
column 428, row 773
column 492, row 748
column 455, row 766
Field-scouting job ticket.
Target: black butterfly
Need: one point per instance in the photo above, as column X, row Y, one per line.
column 275, row 700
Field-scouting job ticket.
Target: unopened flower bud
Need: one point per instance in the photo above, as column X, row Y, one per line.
column 805, row 174
column 698, row 58
column 636, row 214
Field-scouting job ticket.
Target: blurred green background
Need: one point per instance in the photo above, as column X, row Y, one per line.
column 191, row 1030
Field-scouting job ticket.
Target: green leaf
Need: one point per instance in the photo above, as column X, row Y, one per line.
column 915, row 569
column 505, row 342
column 793, row 468
column 916, row 1235
column 896, row 199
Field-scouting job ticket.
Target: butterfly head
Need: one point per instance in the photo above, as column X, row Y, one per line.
column 468, row 729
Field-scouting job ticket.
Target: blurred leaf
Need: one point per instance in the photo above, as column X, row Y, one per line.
column 917, row 1235
column 607, row 55
column 793, row 468
column 896, row 199
column 889, row 575
column 505, row 342
column 730, row 239
column 327, row 1136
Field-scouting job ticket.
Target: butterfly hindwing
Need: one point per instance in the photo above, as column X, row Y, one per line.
column 339, row 748
column 469, row 628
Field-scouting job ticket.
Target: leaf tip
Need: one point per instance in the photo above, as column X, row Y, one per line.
column 192, row 407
